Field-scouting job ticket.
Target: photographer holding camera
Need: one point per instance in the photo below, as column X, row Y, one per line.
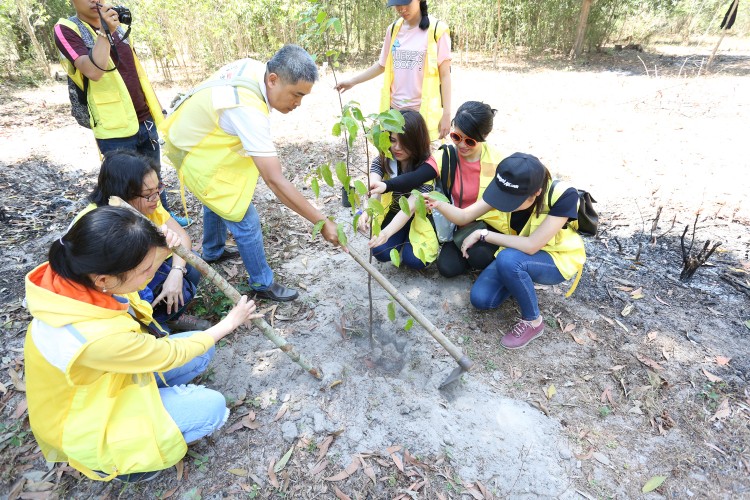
column 97, row 55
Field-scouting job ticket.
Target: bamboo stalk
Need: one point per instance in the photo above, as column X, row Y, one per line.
column 231, row 292
column 463, row 360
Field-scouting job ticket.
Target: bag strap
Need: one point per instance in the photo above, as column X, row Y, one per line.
column 549, row 194
column 448, row 170
column 238, row 81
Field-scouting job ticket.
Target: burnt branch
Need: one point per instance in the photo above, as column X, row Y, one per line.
column 691, row 262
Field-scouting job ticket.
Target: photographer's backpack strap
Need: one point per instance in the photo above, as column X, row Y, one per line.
column 237, row 81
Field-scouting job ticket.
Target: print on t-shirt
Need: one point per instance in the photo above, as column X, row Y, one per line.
column 407, row 59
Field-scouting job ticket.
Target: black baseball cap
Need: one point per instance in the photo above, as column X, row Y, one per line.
column 516, row 178
column 394, row 3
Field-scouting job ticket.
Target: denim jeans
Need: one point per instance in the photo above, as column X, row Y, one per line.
column 160, row 310
column 145, row 142
column 399, row 241
column 196, row 410
column 249, row 238
column 514, row 273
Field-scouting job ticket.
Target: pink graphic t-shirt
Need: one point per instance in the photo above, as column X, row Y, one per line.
column 409, row 54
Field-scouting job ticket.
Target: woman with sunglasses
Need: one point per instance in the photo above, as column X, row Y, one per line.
column 132, row 177
column 475, row 168
column 536, row 244
column 417, row 66
column 104, row 395
column 412, row 167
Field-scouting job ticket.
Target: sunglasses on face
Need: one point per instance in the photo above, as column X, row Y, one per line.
column 155, row 195
column 458, row 138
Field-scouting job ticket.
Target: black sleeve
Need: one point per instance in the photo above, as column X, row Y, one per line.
column 404, row 183
column 377, row 167
column 566, row 205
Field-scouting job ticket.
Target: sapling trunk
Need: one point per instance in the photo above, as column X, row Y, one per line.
column 233, row 294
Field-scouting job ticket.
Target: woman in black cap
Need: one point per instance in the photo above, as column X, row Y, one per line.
column 538, row 245
column 417, row 67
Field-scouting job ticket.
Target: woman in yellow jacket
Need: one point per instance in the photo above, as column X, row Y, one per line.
column 104, row 395
column 539, row 246
column 417, row 66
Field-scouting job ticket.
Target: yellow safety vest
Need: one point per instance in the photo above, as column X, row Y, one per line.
column 566, row 248
column 488, row 160
column 110, row 106
column 431, row 107
column 209, row 161
column 110, row 422
column 422, row 234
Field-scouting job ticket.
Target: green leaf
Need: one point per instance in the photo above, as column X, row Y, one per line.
column 337, row 26
column 353, row 199
column 341, row 234
column 331, row 52
column 395, row 258
column 384, row 142
column 376, row 207
column 355, row 222
column 336, row 129
column 344, row 179
column 315, row 186
column 391, row 311
column 360, row 187
column 282, row 463
column 409, row 324
column 403, row 203
column 747, row 324
column 434, row 195
column 357, row 114
column 653, row 483
column 421, row 208
column 376, row 226
column 316, row 228
column 321, row 17
column 325, row 171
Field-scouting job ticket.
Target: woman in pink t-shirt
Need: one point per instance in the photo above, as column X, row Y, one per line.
column 417, row 66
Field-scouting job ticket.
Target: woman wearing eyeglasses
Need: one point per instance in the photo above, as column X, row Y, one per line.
column 475, row 168
column 133, row 178
column 416, row 60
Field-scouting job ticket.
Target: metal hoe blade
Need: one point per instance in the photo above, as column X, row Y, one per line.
column 464, row 365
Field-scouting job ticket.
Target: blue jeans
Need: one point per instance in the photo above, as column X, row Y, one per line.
column 196, row 410
column 399, row 241
column 514, row 273
column 145, row 142
column 154, row 288
column 249, row 238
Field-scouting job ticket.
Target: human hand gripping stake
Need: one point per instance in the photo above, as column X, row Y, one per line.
column 171, row 290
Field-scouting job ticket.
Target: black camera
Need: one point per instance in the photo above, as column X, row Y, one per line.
column 123, row 14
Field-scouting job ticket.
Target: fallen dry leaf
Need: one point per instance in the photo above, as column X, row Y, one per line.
column 649, row 362
column 711, row 377
column 569, row 327
column 396, row 459
column 16, row 379
column 551, row 391
column 238, row 472
column 592, row 335
column 723, row 411
column 607, row 396
column 350, row 469
column 280, row 413
column 20, row 409
column 722, row 360
column 368, row 470
column 660, row 300
column 577, row 339
column 627, row 310
column 272, row 474
column 617, row 367
column 319, row 467
column 323, row 447
column 340, row 494
column 607, row 320
column 180, row 468
column 585, row 456
column 637, row 294
column 169, row 493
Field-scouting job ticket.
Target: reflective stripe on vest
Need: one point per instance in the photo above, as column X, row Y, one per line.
column 431, row 107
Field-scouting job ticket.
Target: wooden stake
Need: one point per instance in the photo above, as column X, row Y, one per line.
column 231, row 292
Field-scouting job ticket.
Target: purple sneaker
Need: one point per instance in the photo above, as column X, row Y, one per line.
column 521, row 334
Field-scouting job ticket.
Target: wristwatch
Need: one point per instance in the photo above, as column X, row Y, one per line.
column 483, row 234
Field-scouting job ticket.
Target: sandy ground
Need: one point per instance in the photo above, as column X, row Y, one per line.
column 604, row 402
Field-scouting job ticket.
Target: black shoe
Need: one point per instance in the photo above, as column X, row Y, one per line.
column 277, row 292
column 138, row 477
column 229, row 253
column 188, row 323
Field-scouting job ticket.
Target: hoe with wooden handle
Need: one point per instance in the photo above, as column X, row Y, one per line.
column 464, row 363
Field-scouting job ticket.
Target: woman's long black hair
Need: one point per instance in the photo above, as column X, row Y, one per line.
column 424, row 23
column 415, row 139
column 121, row 174
column 106, row 240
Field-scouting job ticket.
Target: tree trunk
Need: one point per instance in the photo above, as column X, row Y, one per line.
column 583, row 20
column 732, row 10
column 499, row 30
column 39, row 56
